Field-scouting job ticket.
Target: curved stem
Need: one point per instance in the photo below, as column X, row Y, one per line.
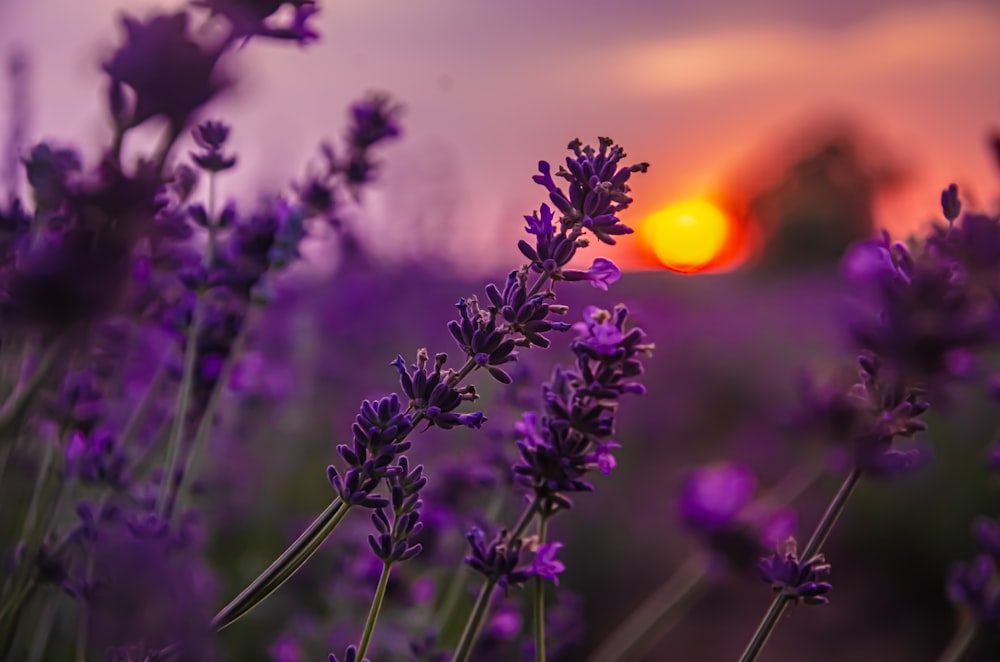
column 960, row 642
column 630, row 639
column 540, row 600
column 284, row 567
column 170, row 479
column 16, row 406
column 457, row 582
column 192, row 458
column 525, row 519
column 817, row 540
column 475, row 622
column 366, row 636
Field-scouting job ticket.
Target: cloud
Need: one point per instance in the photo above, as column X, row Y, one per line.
column 902, row 42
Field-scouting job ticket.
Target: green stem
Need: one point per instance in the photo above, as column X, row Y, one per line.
column 373, row 613
column 817, row 540
column 537, row 286
column 170, row 479
column 475, row 622
column 16, row 406
column 540, row 600
column 141, row 411
column 632, row 638
column 193, row 456
column 960, row 642
column 34, row 506
column 525, row 519
column 43, row 633
column 457, row 582
column 284, row 567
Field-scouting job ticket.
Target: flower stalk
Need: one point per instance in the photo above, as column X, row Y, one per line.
column 818, row 539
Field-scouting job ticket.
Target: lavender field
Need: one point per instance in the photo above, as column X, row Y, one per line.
column 337, row 413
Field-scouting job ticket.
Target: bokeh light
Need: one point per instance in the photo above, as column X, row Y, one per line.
column 688, row 236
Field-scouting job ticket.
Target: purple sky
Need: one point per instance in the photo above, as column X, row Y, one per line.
column 695, row 88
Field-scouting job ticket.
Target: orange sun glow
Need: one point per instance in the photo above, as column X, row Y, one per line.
column 687, row 236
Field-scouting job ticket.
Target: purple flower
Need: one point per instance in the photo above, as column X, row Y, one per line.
column 972, row 585
column 498, row 560
column 602, row 457
column 505, row 623
column 211, row 137
column 285, row 649
column 170, row 74
column 869, row 261
column 599, row 332
column 545, row 564
column 951, row 206
column 713, row 497
column 601, row 273
column 350, row 655
column 795, row 579
column 715, row 504
column 597, row 188
column 986, row 533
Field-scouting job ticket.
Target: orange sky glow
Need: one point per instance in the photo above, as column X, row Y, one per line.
column 710, row 97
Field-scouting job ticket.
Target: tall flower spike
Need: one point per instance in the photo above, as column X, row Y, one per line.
column 597, row 188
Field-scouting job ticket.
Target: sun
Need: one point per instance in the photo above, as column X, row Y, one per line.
column 687, row 236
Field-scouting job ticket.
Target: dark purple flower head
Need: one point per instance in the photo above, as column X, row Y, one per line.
column 96, row 458
column 373, row 120
column 973, row 585
column 50, row 171
column 483, row 339
column 250, row 18
column 350, row 655
column 916, row 311
column 597, row 188
column 973, row 246
column 523, row 314
column 867, row 419
column 432, row 395
column 798, row 580
column 951, row 206
column 498, row 560
column 211, row 137
column 545, row 564
column 79, row 404
column 169, row 73
column 986, row 533
column 553, row 249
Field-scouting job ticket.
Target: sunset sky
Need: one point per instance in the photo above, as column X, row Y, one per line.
column 698, row 89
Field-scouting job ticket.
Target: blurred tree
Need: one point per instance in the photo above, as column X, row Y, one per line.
column 821, row 203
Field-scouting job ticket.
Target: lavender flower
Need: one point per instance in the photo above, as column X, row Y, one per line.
column 170, row 74
column 211, row 137
column 797, row 580
column 716, row 504
column 973, row 585
column 597, row 188
column 545, row 564
column 498, row 560
column 350, row 655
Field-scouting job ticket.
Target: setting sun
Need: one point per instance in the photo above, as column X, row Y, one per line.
column 688, row 235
